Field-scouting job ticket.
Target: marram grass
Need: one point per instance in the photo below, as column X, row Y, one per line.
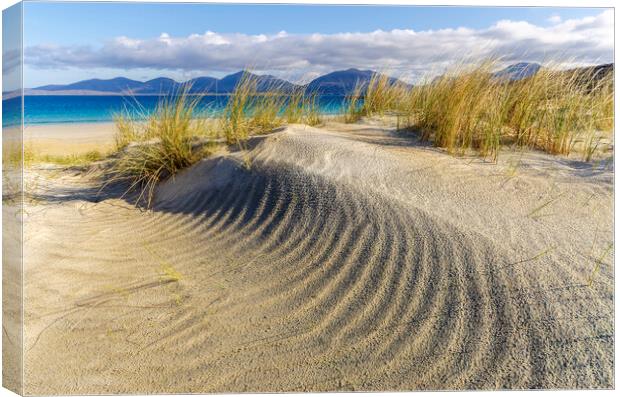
column 470, row 108
column 251, row 111
column 466, row 109
column 157, row 148
column 152, row 150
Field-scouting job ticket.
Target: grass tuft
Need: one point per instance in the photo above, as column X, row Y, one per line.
column 72, row 159
column 236, row 122
column 470, row 108
column 251, row 111
column 598, row 262
column 155, row 149
column 354, row 108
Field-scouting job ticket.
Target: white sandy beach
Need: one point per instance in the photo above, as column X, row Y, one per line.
column 69, row 138
column 344, row 258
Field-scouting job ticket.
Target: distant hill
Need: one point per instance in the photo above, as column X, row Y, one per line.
column 202, row 84
column 599, row 71
column 162, row 85
column 336, row 83
column 590, row 76
column 518, row 71
column 340, row 82
column 118, row 84
column 263, row 83
column 343, row 82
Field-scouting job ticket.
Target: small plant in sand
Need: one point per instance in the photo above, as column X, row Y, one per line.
column 127, row 130
column 294, row 107
column 312, row 114
column 16, row 154
column 236, row 124
column 598, row 262
column 30, row 156
column 354, row 110
column 463, row 109
column 160, row 146
column 383, row 94
column 590, row 145
column 69, row 160
column 264, row 111
column 250, row 111
column 301, row 107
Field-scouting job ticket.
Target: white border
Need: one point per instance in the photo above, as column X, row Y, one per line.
column 488, row 3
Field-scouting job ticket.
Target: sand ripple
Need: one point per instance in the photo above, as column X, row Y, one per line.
column 309, row 271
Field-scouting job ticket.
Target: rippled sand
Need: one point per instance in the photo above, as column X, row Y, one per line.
column 347, row 258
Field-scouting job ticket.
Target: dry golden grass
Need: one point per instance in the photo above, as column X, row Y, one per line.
column 70, row 159
column 250, row 111
column 382, row 95
column 157, row 148
column 154, row 147
column 469, row 108
column 312, row 113
column 236, row 122
column 354, row 109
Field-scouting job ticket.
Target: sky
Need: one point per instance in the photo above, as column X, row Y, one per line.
column 67, row 42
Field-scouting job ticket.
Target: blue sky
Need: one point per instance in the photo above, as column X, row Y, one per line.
column 97, row 21
column 71, row 41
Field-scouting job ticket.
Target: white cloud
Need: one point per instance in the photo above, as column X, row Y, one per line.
column 405, row 52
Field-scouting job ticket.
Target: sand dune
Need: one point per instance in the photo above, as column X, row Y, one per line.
column 344, row 258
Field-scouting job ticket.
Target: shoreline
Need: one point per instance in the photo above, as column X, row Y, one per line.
column 328, row 116
column 77, row 138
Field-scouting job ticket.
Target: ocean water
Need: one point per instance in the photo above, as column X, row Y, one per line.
column 91, row 108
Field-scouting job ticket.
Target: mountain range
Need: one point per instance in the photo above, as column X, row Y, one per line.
column 336, row 83
column 123, row 85
column 518, row 71
column 341, row 82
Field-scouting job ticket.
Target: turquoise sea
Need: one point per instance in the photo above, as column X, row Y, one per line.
column 87, row 108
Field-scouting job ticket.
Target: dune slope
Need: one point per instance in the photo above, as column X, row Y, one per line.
column 346, row 258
